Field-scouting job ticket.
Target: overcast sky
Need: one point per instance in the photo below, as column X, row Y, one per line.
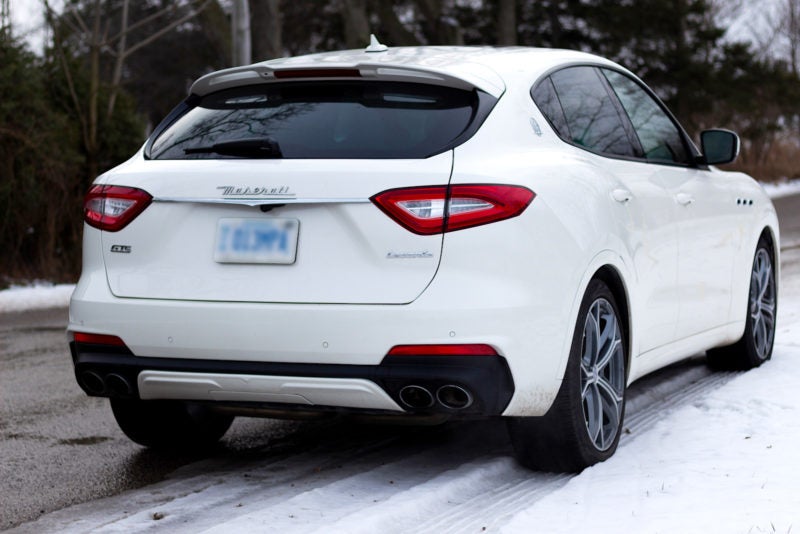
column 28, row 22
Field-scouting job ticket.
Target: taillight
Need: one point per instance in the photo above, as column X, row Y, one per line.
column 436, row 209
column 112, row 207
column 442, row 350
column 97, row 339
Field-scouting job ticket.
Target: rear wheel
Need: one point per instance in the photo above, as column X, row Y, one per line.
column 169, row 424
column 584, row 424
column 755, row 347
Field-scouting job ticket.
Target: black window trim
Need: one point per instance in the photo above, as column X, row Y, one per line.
column 689, row 145
column 177, row 112
column 630, row 130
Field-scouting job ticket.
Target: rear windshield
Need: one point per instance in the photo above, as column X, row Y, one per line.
column 325, row 120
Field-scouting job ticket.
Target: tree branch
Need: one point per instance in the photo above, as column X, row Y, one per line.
column 166, row 29
column 58, row 45
column 139, row 23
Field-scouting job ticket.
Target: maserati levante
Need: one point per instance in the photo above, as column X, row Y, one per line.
column 418, row 233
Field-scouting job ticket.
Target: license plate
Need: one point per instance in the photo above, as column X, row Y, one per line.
column 256, row 241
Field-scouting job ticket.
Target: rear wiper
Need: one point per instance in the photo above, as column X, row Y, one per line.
column 260, row 147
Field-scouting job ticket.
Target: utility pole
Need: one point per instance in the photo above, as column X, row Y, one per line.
column 5, row 19
column 240, row 32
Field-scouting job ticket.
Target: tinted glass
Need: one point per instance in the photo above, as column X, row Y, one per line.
column 593, row 119
column 659, row 136
column 324, row 120
column 544, row 94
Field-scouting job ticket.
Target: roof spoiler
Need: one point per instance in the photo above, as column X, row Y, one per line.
column 461, row 76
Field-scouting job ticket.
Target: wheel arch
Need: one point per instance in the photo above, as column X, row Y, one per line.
column 609, row 275
column 612, row 269
column 737, row 314
column 769, row 234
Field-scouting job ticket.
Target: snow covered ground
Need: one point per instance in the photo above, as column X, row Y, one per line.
column 728, row 462
column 704, row 452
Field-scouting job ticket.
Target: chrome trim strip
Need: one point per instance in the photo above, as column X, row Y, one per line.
column 347, row 392
column 266, row 201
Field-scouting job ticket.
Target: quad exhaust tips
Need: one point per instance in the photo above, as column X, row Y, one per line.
column 448, row 396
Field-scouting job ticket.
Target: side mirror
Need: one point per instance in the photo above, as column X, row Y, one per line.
column 719, row 146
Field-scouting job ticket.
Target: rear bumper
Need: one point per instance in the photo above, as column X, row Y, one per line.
column 524, row 309
column 115, row 372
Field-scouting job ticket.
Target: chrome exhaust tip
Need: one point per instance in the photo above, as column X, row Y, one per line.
column 454, row 397
column 92, row 383
column 416, row 397
column 118, row 385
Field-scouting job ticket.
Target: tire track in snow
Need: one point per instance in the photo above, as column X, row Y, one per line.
column 648, row 400
column 676, row 386
column 459, row 494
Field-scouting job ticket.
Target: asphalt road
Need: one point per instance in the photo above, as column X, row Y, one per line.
column 788, row 209
column 59, row 447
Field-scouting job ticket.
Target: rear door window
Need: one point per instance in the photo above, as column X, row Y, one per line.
column 659, row 136
column 336, row 119
column 593, row 119
column 577, row 103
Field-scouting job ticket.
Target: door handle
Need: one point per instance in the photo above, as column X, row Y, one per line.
column 621, row 195
column 684, row 199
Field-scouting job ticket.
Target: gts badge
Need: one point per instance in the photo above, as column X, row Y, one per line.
column 124, row 249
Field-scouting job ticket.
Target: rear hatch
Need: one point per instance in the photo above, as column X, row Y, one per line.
column 262, row 194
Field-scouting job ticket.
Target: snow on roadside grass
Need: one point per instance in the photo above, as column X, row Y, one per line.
column 37, row 296
column 782, row 189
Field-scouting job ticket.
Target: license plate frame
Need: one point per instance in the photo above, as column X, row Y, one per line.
column 271, row 241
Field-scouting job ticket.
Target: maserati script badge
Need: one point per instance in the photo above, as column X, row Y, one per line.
column 282, row 191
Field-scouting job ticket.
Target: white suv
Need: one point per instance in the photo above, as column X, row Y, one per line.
column 422, row 233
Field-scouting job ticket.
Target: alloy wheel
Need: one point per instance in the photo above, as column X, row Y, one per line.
column 602, row 374
column 762, row 303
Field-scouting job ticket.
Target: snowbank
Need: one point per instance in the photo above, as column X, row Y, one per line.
column 37, row 296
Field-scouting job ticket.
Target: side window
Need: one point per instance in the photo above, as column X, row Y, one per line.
column 659, row 136
column 544, row 94
column 592, row 116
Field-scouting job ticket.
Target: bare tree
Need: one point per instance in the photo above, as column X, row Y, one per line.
column 507, row 23
column 93, row 36
column 398, row 34
column 791, row 31
column 439, row 28
column 240, row 33
column 5, row 19
column 266, row 29
column 356, row 23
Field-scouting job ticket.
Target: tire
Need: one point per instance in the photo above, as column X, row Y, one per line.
column 755, row 346
column 584, row 423
column 169, row 425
